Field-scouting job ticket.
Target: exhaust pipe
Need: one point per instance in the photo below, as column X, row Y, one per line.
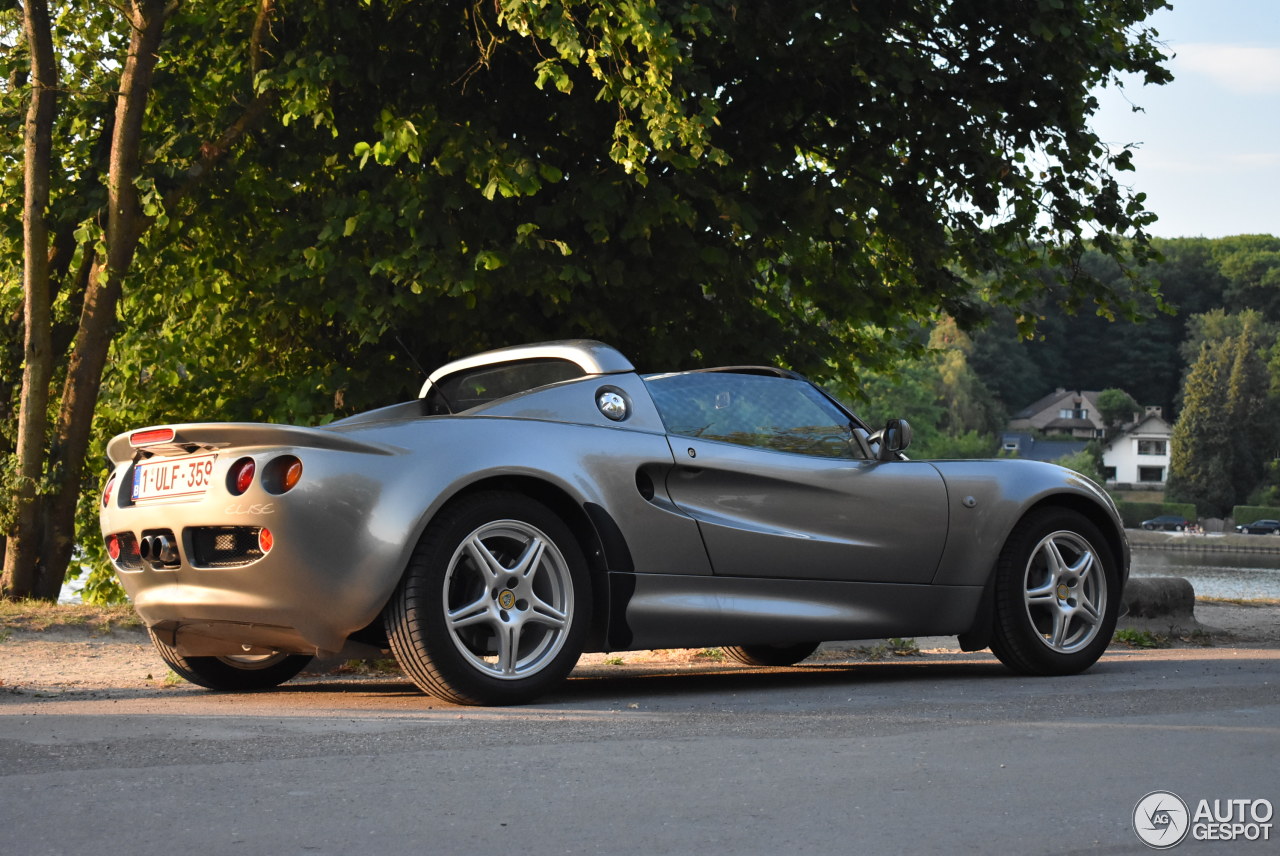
column 165, row 551
column 158, row 550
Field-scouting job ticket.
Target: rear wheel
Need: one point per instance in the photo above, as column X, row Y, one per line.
column 494, row 605
column 1057, row 594
column 233, row 673
column 770, row 655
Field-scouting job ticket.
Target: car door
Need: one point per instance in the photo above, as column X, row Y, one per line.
column 780, row 487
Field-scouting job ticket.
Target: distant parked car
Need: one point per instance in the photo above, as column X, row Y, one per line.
column 1167, row 523
column 1260, row 527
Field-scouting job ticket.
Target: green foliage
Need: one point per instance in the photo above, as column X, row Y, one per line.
column 952, row 412
column 1087, row 462
column 1224, row 434
column 1141, row 638
column 1245, row 514
column 1116, row 407
column 1147, row 358
column 1133, row 513
column 894, row 646
column 693, row 182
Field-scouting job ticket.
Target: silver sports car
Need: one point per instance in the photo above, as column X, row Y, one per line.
column 541, row 501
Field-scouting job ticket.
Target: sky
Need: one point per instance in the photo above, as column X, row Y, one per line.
column 1208, row 153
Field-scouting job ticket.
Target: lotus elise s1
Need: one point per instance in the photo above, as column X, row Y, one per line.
column 540, row 501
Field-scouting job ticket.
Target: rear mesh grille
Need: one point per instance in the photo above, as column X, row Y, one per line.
column 224, row 546
column 129, row 560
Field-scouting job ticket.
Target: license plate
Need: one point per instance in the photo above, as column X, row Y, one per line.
column 172, row 478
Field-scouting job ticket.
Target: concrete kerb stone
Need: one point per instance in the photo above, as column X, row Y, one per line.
column 1164, row 604
column 1160, row 597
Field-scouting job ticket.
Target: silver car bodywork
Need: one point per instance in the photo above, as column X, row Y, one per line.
column 690, row 541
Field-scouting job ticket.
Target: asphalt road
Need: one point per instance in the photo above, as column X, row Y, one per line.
column 920, row 755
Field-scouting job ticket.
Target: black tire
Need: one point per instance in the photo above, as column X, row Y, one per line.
column 1057, row 594
column 770, row 655
column 469, row 625
column 233, row 673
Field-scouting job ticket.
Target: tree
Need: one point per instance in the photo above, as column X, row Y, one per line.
column 951, row 411
column 693, row 181
column 83, row 261
column 1224, row 436
column 1117, row 408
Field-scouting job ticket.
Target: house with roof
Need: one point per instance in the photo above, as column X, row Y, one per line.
column 1070, row 412
column 1139, row 454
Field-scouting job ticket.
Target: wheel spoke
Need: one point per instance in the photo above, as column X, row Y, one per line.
column 544, row 613
column 479, row 611
column 485, row 562
column 1088, row 610
column 1083, row 568
column 508, row 648
column 1060, row 624
column 1046, row 593
column 1053, row 557
column 531, row 559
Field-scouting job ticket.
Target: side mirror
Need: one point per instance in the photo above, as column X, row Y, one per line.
column 894, row 438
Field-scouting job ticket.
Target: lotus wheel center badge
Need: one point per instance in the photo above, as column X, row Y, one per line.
column 1063, row 591
column 507, row 599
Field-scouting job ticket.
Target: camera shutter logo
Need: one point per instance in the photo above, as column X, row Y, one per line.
column 1161, row 819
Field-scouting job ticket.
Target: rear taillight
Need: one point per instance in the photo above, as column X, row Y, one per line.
column 240, row 476
column 113, row 547
column 106, row 491
column 265, row 540
column 292, row 473
column 282, row 474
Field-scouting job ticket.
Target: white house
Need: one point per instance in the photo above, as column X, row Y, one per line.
column 1139, row 454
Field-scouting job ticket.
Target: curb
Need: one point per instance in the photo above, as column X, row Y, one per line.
column 1160, row 603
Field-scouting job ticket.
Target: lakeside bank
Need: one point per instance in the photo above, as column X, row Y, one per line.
column 1215, row 542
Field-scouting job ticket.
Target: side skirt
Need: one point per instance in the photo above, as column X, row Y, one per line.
column 678, row 611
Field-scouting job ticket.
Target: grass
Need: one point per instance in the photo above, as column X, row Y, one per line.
column 1240, row 601
column 40, row 615
column 1141, row 638
column 892, row 647
column 372, row 667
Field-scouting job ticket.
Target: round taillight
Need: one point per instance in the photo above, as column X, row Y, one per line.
column 281, row 474
column 240, row 476
column 292, row 474
column 113, row 547
column 106, row 492
column 265, row 540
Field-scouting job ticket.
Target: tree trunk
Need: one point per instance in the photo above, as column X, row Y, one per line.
column 22, row 560
column 125, row 224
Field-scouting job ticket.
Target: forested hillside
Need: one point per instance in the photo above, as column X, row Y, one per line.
column 1147, row 359
column 1207, row 352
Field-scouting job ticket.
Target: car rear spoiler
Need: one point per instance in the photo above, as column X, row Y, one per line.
column 169, row 440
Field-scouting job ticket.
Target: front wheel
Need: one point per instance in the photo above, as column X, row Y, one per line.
column 233, row 673
column 1057, row 595
column 770, row 655
column 494, row 605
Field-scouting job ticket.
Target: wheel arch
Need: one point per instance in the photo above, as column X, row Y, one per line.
column 598, row 536
column 1098, row 516
column 978, row 636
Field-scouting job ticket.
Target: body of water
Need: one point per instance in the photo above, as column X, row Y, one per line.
column 1236, row 575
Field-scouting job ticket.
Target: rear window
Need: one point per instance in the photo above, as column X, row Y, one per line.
column 473, row 387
